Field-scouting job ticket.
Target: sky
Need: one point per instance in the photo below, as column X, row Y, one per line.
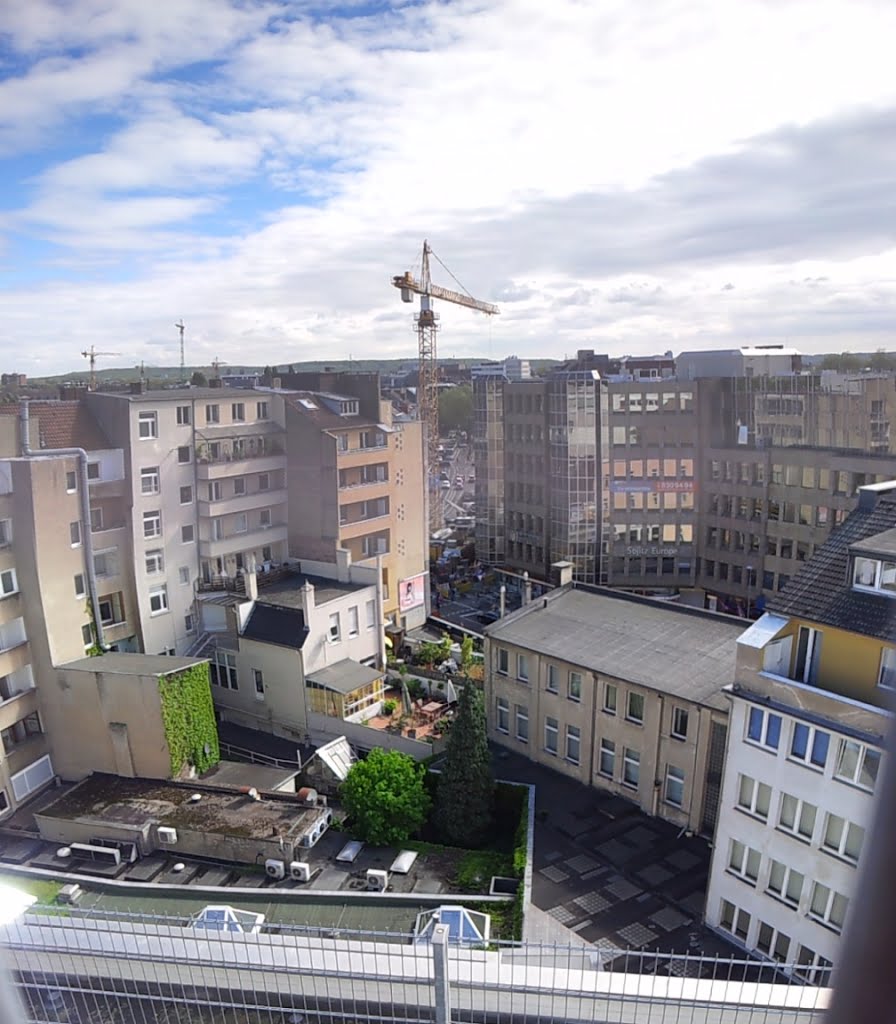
column 628, row 177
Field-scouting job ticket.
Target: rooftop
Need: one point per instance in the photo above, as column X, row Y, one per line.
column 287, row 590
column 274, row 624
column 323, row 416
column 187, row 394
column 344, row 676
column 822, row 590
column 120, row 663
column 263, row 777
column 68, row 424
column 667, row 647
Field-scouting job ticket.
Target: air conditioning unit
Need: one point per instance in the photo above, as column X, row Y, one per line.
column 377, row 880
column 167, row 835
column 275, row 868
column 300, row 871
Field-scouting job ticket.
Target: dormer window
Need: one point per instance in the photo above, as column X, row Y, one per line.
column 348, row 408
column 874, row 574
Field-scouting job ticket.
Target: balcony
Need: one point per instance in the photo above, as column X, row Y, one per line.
column 16, row 706
column 360, row 527
column 26, row 752
column 218, row 460
column 236, row 542
column 242, row 503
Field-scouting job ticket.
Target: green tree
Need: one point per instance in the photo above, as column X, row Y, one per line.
column 199, row 379
column 844, row 362
column 456, row 409
column 880, row 360
column 385, row 796
column 466, row 653
column 466, row 786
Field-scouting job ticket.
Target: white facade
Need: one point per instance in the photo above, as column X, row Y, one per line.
column 791, row 832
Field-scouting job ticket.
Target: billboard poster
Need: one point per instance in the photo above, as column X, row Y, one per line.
column 412, row 592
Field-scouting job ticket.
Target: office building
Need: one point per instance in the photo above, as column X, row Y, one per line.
column 805, row 749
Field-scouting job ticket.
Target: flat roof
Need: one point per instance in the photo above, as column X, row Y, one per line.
column 287, row 591
column 189, row 393
column 345, row 676
column 122, row 663
column 666, row 647
column 261, row 776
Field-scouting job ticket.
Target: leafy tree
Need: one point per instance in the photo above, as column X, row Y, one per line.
column 880, row 360
column 199, row 379
column 386, row 798
column 456, row 409
column 466, row 786
column 466, row 653
column 844, row 362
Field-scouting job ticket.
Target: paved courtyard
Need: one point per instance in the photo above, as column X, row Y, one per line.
column 611, row 876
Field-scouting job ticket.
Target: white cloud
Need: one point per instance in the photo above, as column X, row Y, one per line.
column 557, row 156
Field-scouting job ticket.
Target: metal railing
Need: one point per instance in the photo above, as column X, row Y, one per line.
column 234, row 752
column 89, row 966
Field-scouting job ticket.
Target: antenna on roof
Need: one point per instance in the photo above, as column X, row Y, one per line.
column 183, row 369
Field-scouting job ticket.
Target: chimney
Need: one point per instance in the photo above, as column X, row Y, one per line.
column 250, row 579
column 307, row 599
column 216, row 382
column 562, row 573
column 343, row 565
column 502, row 601
column 870, row 493
column 137, row 387
column 527, row 588
column 276, row 383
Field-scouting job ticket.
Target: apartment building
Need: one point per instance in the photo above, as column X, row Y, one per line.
column 298, row 651
column 805, row 749
column 205, row 475
column 356, row 484
column 619, row 692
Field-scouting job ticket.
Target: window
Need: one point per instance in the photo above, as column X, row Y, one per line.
column 213, row 414
column 87, row 634
column 71, row 482
column 503, row 660
column 93, row 471
column 261, row 410
column 370, row 610
column 186, row 495
column 158, row 600
column 503, row 723
column 152, row 524
column 631, row 767
column 797, row 817
column 8, row 583
column 674, row 786
column 149, row 480
column 239, row 486
column 184, row 454
column 155, row 561
column 147, row 425
column 80, row 590
column 857, row 764
column 843, row 838
column 110, row 610
column 522, row 668
column 813, row 968
column 786, row 883
column 606, row 764
column 754, row 797
column 764, row 728
column 522, row 724
column 188, row 623
column 635, row 707
column 353, row 628
column 258, row 678
column 735, row 920
column 183, row 574
column 773, row 943
column 552, row 678
column 874, row 574
column 264, row 517
column 744, row 861
column 74, row 533
column 96, row 520
column 610, row 695
column 574, row 691
column 887, row 675
column 550, row 735
column 264, row 481
column 105, row 563
column 808, row 655
column 809, row 744
column 679, row 724
column 184, row 419
column 187, row 534
column 334, row 633
column 828, row 907
column 237, row 412
column 223, row 670
column 573, row 743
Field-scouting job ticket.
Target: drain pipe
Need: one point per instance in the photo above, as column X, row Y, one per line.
column 84, row 489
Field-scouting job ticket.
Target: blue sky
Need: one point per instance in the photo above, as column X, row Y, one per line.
column 629, row 177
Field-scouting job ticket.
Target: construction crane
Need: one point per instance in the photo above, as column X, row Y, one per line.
column 183, row 367
column 427, row 326
column 91, row 354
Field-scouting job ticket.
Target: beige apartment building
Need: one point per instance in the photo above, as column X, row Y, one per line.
column 356, row 484
column 619, row 692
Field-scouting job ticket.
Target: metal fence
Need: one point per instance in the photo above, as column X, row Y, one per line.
column 127, row 969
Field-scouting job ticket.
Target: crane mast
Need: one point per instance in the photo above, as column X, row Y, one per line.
column 91, row 354
column 427, row 326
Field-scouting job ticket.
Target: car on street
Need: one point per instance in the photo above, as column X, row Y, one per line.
column 471, row 478
column 458, row 481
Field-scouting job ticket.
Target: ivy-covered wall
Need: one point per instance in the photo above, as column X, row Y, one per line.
column 189, row 718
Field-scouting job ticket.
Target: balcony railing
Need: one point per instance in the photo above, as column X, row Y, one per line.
column 218, row 452
column 237, row 584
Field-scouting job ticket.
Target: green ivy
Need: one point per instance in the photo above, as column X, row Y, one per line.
column 189, row 718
